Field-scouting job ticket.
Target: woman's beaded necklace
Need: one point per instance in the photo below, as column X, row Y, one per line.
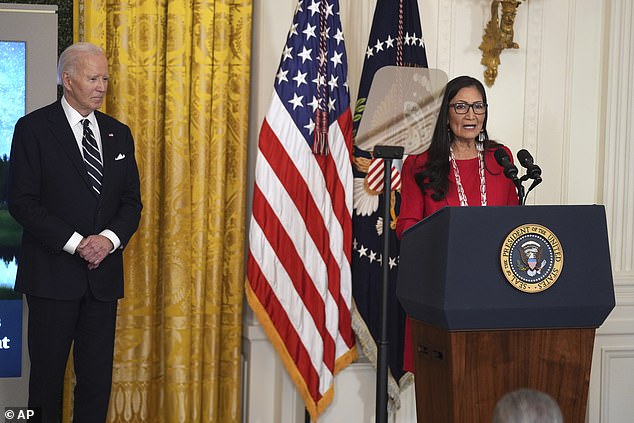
column 483, row 187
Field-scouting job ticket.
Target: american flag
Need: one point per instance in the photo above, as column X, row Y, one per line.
column 300, row 235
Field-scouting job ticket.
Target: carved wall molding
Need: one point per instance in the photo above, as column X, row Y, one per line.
column 532, row 78
column 618, row 177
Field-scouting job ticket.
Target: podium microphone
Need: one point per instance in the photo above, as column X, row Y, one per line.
column 510, row 171
column 503, row 159
column 532, row 170
column 526, row 160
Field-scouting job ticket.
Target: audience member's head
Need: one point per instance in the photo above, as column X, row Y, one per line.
column 527, row 406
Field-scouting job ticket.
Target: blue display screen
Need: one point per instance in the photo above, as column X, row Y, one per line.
column 12, row 107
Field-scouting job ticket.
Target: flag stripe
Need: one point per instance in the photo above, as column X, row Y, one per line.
column 342, row 211
column 310, row 216
column 273, row 153
column 316, row 189
column 284, row 328
column 296, row 274
column 342, row 157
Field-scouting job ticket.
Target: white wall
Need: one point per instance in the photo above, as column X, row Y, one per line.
column 565, row 95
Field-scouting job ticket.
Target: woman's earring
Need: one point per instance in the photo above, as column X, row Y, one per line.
column 481, row 136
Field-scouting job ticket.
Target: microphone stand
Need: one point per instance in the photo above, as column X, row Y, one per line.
column 388, row 154
column 537, row 179
column 520, row 189
column 510, row 171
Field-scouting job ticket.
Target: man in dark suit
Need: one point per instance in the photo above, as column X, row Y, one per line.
column 74, row 188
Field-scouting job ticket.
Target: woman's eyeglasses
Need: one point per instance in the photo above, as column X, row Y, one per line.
column 479, row 108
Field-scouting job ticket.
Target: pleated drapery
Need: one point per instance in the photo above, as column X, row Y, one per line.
column 179, row 77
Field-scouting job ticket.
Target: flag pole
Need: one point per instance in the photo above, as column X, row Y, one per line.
column 387, row 153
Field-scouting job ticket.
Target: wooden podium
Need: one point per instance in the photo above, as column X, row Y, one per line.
column 476, row 336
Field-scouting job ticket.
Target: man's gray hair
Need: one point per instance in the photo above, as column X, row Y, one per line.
column 69, row 57
column 527, row 406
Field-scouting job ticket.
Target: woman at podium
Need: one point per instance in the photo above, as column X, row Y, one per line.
column 458, row 169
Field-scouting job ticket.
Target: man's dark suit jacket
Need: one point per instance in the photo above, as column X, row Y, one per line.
column 51, row 197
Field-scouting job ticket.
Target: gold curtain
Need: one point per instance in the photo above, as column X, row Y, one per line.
column 179, row 77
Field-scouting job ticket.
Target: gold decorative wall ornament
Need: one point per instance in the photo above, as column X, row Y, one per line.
column 498, row 35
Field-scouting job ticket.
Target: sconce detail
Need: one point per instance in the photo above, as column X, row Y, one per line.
column 498, row 35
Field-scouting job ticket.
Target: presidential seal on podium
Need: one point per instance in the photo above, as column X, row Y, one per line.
column 531, row 258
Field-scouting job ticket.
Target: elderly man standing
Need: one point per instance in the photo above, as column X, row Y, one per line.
column 74, row 188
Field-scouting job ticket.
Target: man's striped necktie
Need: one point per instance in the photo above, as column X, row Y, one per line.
column 92, row 158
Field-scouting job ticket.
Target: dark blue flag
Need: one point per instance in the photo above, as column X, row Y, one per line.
column 395, row 39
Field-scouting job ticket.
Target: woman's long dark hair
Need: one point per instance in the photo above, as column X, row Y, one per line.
column 435, row 175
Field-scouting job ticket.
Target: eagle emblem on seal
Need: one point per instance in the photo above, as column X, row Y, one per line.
column 532, row 256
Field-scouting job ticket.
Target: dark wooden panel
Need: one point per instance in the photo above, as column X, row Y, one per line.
column 460, row 375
